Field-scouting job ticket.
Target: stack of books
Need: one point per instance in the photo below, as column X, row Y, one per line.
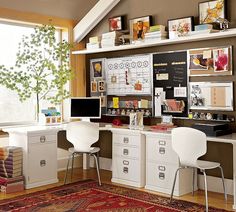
column 94, row 43
column 203, row 29
column 111, row 39
column 11, row 161
column 10, row 185
column 156, row 33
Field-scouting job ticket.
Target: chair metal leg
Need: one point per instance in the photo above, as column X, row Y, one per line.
column 67, row 167
column 193, row 180
column 173, row 187
column 98, row 160
column 98, row 173
column 205, row 184
column 223, row 181
column 72, row 166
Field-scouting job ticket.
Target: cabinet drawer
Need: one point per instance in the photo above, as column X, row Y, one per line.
column 160, row 149
column 126, row 151
column 126, row 169
column 128, row 140
column 42, row 162
column 161, row 175
column 42, row 138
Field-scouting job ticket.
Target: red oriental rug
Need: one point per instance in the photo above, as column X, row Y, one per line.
column 88, row 196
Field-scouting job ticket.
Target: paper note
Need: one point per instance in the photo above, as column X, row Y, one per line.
column 180, row 92
column 144, row 103
column 162, row 76
column 218, row 96
column 115, row 102
column 158, row 105
column 207, row 54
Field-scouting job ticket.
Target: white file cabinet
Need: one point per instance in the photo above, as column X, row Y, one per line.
column 39, row 153
column 161, row 164
column 128, row 157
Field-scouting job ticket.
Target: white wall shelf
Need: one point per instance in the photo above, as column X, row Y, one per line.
column 199, row 37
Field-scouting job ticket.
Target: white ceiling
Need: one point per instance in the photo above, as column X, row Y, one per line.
column 71, row 9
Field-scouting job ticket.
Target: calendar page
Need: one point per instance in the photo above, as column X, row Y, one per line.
column 129, row 75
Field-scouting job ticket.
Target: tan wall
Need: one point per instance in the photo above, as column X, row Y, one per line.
column 162, row 10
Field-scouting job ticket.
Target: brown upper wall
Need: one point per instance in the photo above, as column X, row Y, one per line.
column 160, row 10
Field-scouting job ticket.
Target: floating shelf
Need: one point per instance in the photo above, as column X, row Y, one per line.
column 191, row 38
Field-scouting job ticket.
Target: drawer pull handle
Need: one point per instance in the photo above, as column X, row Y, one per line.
column 125, row 151
column 126, row 140
column 125, row 170
column 161, row 168
column 125, row 162
column 161, row 176
column 43, row 163
column 42, row 138
column 162, row 142
column 162, row 150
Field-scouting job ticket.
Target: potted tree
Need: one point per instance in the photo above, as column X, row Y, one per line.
column 42, row 66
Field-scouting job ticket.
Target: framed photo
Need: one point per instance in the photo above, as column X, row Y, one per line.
column 139, row 26
column 116, row 23
column 97, row 68
column 221, row 59
column 103, row 101
column 101, row 86
column 94, row 87
column 210, row 11
column 180, row 27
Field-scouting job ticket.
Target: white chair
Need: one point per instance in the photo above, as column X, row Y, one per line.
column 190, row 144
column 82, row 135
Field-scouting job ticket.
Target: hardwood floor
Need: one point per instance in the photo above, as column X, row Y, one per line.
column 215, row 199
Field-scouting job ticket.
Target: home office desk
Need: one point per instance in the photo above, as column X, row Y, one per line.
column 37, row 144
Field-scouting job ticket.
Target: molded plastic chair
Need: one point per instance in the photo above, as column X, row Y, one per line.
column 82, row 135
column 190, row 144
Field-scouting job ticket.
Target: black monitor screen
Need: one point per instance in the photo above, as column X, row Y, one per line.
column 85, row 107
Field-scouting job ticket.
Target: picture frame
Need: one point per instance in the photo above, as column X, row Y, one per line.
column 116, row 23
column 210, row 11
column 94, row 86
column 101, row 86
column 97, row 68
column 139, row 26
column 103, row 101
column 180, row 27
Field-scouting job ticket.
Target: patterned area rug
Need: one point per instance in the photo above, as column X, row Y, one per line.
column 88, row 196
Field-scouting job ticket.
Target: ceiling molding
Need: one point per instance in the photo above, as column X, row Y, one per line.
column 92, row 18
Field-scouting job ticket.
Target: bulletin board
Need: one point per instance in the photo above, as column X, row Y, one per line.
column 170, row 79
column 129, row 75
column 213, row 61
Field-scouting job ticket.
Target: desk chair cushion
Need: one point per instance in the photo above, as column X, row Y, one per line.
column 202, row 164
column 93, row 150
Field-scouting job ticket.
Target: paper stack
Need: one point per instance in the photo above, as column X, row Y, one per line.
column 156, row 33
column 94, row 43
column 11, row 161
column 111, row 39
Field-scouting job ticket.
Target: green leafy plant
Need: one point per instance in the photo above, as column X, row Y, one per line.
column 42, row 66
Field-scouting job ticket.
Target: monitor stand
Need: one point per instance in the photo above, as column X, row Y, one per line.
column 85, row 119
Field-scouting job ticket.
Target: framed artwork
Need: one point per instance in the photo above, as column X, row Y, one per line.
column 94, row 86
column 97, row 67
column 210, row 11
column 116, row 23
column 101, row 86
column 180, row 27
column 139, row 26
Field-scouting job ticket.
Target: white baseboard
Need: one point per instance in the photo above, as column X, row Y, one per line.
column 105, row 163
column 62, row 162
column 215, row 184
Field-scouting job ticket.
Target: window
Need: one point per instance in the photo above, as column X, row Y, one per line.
column 11, row 109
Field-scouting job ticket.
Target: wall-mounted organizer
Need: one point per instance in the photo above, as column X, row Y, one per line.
column 129, row 85
column 212, row 61
column 170, row 80
column 98, row 81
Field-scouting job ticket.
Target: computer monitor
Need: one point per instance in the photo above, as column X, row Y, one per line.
column 85, row 107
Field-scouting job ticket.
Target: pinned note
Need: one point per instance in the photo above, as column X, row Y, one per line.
column 207, row 54
column 144, row 103
column 115, row 102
